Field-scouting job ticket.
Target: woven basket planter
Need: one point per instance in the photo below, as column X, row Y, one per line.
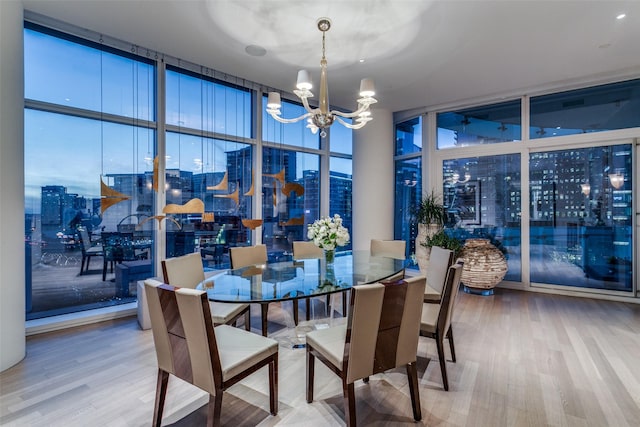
column 484, row 265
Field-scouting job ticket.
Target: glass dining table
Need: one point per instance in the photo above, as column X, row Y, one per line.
column 293, row 280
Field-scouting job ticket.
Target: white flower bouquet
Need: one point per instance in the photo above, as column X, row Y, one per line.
column 328, row 233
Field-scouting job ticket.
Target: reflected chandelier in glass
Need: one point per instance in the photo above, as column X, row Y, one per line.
column 321, row 117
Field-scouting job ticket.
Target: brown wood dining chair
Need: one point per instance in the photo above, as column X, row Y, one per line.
column 190, row 348
column 436, row 318
column 381, row 333
column 187, row 271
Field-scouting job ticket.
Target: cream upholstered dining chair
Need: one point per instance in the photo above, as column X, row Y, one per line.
column 440, row 260
column 186, row 271
column 391, row 249
column 308, row 250
column 190, row 348
column 436, row 318
column 381, row 333
column 245, row 256
column 388, row 248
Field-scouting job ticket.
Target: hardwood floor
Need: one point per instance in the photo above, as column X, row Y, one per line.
column 524, row 359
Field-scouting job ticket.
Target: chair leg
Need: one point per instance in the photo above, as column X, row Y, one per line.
column 214, row 408
column 273, row 386
column 308, row 301
column 104, row 270
column 264, row 308
column 247, row 320
column 82, row 265
column 349, row 403
column 450, row 336
column 310, row 373
column 295, row 311
column 443, row 366
column 412, row 377
column 161, row 393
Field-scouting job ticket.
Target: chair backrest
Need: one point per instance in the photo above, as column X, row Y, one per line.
column 389, row 248
column 306, row 250
column 449, row 295
column 183, row 334
column 383, row 326
column 439, row 262
column 242, row 256
column 185, row 271
column 84, row 237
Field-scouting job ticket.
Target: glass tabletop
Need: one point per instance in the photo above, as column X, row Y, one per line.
column 299, row 279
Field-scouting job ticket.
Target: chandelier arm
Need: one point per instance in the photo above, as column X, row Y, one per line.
column 276, row 116
column 356, row 113
column 349, row 125
column 305, row 104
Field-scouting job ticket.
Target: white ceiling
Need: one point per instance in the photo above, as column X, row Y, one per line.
column 420, row 53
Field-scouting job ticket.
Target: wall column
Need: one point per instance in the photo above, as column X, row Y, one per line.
column 12, row 223
column 373, row 182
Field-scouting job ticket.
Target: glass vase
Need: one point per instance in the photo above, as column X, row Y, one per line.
column 329, row 256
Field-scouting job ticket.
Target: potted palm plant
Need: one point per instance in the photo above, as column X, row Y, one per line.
column 430, row 215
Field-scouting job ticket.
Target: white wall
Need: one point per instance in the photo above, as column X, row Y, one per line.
column 373, row 183
column 12, row 275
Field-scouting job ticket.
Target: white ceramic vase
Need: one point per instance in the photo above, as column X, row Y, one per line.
column 422, row 253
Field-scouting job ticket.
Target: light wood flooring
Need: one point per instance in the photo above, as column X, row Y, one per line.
column 524, row 359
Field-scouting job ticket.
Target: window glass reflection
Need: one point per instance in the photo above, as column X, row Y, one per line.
column 581, row 217
column 219, row 174
column 409, row 136
column 482, row 198
column 199, row 102
column 594, row 109
column 340, row 194
column 408, row 186
column 290, row 198
column 488, row 124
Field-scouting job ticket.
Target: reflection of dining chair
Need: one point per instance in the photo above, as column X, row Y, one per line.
column 88, row 250
column 187, row 272
column 308, row 250
column 243, row 256
column 395, row 249
column 381, row 334
column 439, row 262
column 190, row 348
column 436, row 318
column 117, row 247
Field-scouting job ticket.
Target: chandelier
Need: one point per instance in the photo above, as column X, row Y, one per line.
column 321, row 117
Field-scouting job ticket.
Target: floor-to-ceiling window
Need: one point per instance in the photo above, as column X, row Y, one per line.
column 341, row 177
column 569, row 173
column 290, row 181
column 92, row 168
column 209, row 169
column 89, row 126
column 408, row 180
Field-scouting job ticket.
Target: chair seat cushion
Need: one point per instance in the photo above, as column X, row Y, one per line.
column 429, row 317
column 431, row 295
column 222, row 312
column 330, row 343
column 94, row 250
column 240, row 350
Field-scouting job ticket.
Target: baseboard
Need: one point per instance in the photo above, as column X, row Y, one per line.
column 64, row 321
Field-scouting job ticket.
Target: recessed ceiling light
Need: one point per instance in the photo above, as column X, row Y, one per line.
column 361, row 60
column 255, row 50
column 621, row 16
